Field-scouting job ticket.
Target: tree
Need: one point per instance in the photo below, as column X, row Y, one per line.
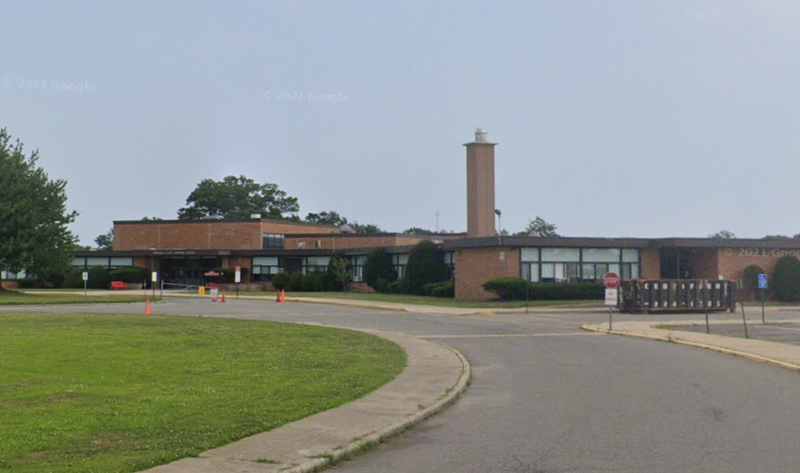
column 238, row 197
column 326, row 218
column 786, row 279
column 339, row 272
column 539, row 227
column 777, row 237
column 425, row 266
column 419, row 231
column 377, row 268
column 366, row 228
column 722, row 235
column 33, row 214
column 105, row 241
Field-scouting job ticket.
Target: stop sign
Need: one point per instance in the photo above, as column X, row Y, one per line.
column 611, row 280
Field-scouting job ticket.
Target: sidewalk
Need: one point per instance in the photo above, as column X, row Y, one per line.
column 434, row 377
column 773, row 353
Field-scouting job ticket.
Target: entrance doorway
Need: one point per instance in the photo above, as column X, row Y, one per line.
column 187, row 270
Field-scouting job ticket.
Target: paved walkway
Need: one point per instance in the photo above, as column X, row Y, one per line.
column 777, row 354
column 433, row 378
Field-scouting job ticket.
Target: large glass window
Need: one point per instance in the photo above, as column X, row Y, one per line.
column 316, row 264
column 557, row 255
column 272, row 241
column 263, row 267
column 577, row 264
column 357, row 262
column 529, row 255
column 600, row 255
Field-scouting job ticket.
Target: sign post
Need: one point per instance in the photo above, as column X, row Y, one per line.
column 154, row 280
column 238, row 279
column 762, row 286
column 85, row 283
column 611, row 281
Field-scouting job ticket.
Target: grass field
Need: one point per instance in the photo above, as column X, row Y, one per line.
column 18, row 298
column 121, row 393
column 427, row 300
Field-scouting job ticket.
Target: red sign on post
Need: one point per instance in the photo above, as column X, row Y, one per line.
column 611, row 280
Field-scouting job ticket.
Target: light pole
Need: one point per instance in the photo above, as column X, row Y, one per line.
column 499, row 227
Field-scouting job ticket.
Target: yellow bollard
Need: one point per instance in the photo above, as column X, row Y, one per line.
column 202, row 290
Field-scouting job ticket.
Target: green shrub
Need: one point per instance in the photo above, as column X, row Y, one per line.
column 132, row 275
column 295, row 282
column 29, row 283
column 98, row 277
column 74, row 278
column 313, row 282
column 280, row 281
column 425, row 266
column 400, row 286
column 515, row 289
column 566, row 291
column 377, row 268
column 506, row 288
column 786, row 279
column 381, row 285
column 442, row 289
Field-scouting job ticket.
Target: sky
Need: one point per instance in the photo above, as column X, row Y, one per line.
column 614, row 118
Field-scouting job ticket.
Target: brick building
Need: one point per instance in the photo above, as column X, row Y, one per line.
column 181, row 251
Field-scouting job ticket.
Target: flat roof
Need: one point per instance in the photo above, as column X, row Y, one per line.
column 562, row 242
column 225, row 220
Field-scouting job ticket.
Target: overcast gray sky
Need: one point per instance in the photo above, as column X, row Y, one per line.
column 614, row 117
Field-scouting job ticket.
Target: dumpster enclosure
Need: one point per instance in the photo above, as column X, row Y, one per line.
column 677, row 295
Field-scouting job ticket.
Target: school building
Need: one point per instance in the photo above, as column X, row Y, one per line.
column 182, row 251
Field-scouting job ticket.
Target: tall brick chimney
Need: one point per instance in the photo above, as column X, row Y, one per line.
column 480, row 186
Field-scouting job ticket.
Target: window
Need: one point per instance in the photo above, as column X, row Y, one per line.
column 561, row 255
column 357, row 262
column 317, row 243
column 263, row 267
column 316, row 264
column 272, row 241
column 399, row 262
column 577, row 264
column 530, row 272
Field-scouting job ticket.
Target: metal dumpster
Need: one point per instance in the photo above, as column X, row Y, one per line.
column 677, row 295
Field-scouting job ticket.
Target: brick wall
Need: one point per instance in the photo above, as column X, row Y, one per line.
column 214, row 235
column 651, row 263
column 351, row 242
column 704, row 263
column 474, row 266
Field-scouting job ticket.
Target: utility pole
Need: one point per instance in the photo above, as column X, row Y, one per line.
column 437, row 221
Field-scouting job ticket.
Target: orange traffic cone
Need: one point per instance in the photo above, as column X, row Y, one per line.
column 223, row 296
column 278, row 296
column 283, row 296
column 147, row 308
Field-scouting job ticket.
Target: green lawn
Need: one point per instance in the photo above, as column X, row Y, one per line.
column 121, row 393
column 18, row 298
column 425, row 300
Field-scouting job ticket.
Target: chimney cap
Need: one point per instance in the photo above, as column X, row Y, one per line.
column 481, row 136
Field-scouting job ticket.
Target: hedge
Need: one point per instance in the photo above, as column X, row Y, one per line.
column 313, row 282
column 515, row 289
column 441, row 289
column 786, row 279
column 295, row 282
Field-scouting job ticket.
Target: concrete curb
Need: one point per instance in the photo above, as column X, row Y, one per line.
column 674, row 339
column 373, row 439
column 293, row 444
